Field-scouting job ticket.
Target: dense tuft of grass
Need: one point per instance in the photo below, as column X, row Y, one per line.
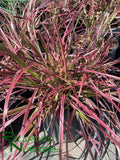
column 57, row 50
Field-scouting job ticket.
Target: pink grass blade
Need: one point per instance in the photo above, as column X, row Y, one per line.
column 61, row 48
column 94, row 116
column 83, row 78
column 27, row 112
column 103, row 74
column 6, row 40
column 61, row 125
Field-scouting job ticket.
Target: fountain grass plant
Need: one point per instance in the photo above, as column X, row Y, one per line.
column 57, row 50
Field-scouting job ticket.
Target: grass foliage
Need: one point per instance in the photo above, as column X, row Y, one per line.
column 57, row 50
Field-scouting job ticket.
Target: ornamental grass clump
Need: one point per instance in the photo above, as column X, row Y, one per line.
column 57, row 51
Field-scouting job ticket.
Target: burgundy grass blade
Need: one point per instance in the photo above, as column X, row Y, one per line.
column 61, row 125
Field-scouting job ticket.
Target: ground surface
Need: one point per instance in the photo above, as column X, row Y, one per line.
column 75, row 152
